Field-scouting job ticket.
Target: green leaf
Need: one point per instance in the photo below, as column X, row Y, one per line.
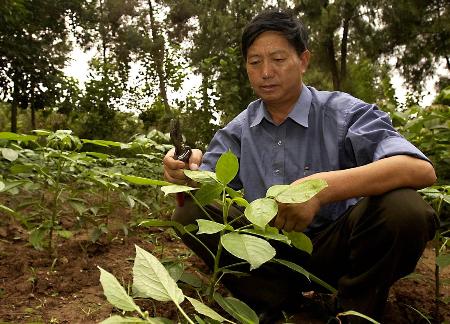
column 9, row 154
column 300, row 240
column 254, row 250
column 208, row 227
column 205, row 310
column 297, row 193
column 37, row 237
column 238, row 309
column 115, row 293
column 116, row 319
column 261, row 211
column 227, row 167
column 102, row 143
column 443, row 260
column 163, row 223
column 354, row 313
column 151, row 279
column 143, row 181
column 21, row 168
column 17, row 137
column 241, row 202
column 308, row 275
column 98, row 155
column 175, row 269
column 175, row 189
column 2, row 186
column 270, row 233
column 208, row 193
column 65, row 234
column 201, row 176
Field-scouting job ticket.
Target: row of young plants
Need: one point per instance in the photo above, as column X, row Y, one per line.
column 48, row 174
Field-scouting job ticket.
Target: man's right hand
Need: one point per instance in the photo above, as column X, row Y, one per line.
column 173, row 169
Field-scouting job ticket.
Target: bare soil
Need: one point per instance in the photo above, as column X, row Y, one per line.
column 38, row 288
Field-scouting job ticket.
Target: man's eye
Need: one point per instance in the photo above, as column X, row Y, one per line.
column 253, row 62
column 280, row 59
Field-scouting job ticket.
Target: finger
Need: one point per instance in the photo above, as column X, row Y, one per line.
column 196, row 159
column 170, row 163
column 289, row 224
column 299, row 227
column 279, row 221
column 177, row 176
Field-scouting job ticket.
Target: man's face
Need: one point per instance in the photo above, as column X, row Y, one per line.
column 275, row 69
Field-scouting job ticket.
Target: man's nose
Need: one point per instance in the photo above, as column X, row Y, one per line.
column 267, row 70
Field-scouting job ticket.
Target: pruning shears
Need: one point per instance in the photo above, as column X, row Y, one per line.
column 182, row 152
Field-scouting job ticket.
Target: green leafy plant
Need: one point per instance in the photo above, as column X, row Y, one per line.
column 248, row 242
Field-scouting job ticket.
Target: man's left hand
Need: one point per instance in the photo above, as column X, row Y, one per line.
column 296, row 217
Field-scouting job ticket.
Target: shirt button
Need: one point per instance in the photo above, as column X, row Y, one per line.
column 280, row 143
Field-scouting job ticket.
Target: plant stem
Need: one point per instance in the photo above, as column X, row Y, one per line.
column 184, row 314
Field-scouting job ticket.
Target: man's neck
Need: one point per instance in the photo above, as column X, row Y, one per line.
column 280, row 111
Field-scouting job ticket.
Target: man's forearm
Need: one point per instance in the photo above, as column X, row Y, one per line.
column 375, row 178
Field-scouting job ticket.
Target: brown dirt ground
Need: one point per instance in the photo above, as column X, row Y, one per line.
column 37, row 288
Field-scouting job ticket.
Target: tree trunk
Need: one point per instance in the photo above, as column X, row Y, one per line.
column 158, row 57
column 14, row 116
column 33, row 117
column 14, row 105
column 331, row 53
column 344, row 44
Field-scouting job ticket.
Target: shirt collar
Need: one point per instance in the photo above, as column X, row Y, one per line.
column 299, row 114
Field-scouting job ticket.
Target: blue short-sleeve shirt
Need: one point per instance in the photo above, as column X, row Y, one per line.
column 325, row 131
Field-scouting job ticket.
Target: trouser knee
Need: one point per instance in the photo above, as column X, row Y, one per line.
column 406, row 215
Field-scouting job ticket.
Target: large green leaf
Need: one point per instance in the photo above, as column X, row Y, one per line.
column 238, row 309
column 151, row 279
column 9, row 154
column 227, row 167
column 208, row 193
column 300, row 240
column 443, row 260
column 201, row 176
column 17, row 137
column 209, row 227
column 254, row 250
column 143, row 181
column 205, row 310
column 176, row 188
column 297, row 193
column 261, row 211
column 115, row 293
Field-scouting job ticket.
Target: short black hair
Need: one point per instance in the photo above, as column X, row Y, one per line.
column 276, row 20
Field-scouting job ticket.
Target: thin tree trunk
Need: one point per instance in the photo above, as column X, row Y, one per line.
column 14, row 104
column 158, row 58
column 331, row 53
column 344, row 45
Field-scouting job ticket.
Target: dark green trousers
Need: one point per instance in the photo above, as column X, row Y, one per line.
column 373, row 244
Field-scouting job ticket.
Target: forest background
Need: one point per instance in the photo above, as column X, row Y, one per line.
column 356, row 46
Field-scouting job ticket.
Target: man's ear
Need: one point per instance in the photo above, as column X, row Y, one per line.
column 304, row 59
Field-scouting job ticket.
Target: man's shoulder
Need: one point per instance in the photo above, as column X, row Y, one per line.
column 248, row 114
column 334, row 100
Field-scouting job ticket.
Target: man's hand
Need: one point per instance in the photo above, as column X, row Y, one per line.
column 296, row 217
column 173, row 169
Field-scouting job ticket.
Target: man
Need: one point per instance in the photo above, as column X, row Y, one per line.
column 294, row 133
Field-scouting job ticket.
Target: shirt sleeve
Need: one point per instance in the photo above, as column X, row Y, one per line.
column 370, row 136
